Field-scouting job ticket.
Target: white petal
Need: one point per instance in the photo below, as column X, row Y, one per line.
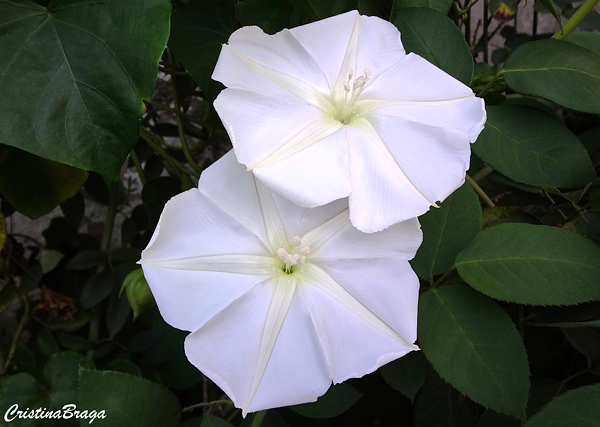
column 269, row 127
column 345, row 325
column 312, row 177
column 187, row 299
column 382, row 194
column 229, row 347
column 255, row 61
column 273, row 224
column 400, row 240
column 239, row 264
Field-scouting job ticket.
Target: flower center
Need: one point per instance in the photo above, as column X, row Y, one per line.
column 344, row 109
column 297, row 257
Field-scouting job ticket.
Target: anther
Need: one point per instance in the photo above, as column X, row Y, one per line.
column 296, row 241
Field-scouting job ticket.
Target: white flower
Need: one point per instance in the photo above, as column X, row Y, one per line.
column 281, row 300
column 336, row 108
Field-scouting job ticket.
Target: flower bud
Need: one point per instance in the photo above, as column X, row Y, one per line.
column 138, row 292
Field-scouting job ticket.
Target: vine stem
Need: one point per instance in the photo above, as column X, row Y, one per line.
column 485, row 171
column 172, row 165
column 484, row 197
column 443, row 277
column 201, row 404
column 258, row 418
column 174, row 111
column 15, row 341
column 574, row 20
column 138, row 167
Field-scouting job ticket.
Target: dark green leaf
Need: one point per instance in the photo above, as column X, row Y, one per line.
column 199, row 28
column 407, row 374
column 22, row 389
column 49, row 259
column 212, row 421
column 438, row 405
column 128, row 400
column 47, row 343
column 125, row 366
column 532, row 264
column 270, row 15
column 325, row 9
column 74, row 75
column 116, row 314
column 156, row 193
column 584, row 340
column 7, row 295
column 436, row 38
column 552, row 8
column 86, row 259
column 447, row 231
column 73, row 209
column 543, row 390
column 442, row 6
column 556, row 70
column 33, row 185
column 579, row 407
column 61, row 372
column 98, row 288
column 530, row 146
column 494, row 419
column 473, row 344
column 73, row 342
column 338, row 399
column 495, row 215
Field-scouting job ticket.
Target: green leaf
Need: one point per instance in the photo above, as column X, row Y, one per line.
column 442, row 6
column 325, row 9
column 212, row 421
column 556, row 70
column 447, row 231
column 552, row 8
column 270, row 15
column 436, row 38
column 2, row 231
column 49, row 259
column 532, row 147
column 494, row 215
column 33, row 185
column 74, row 74
column 128, row 400
column 439, row 405
column 47, row 343
column 579, row 407
column 198, row 29
column 156, row 193
column 86, row 259
column 23, row 389
column 338, row 399
column 407, row 374
column 125, row 366
column 589, row 41
column 473, row 344
column 98, row 288
column 61, row 372
column 532, row 264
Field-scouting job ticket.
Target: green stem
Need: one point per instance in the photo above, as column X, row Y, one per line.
column 258, row 418
column 109, row 223
column 443, row 277
column 182, row 137
column 172, row 165
column 574, row 20
column 172, row 110
column 484, row 197
column 485, row 171
column 15, row 341
column 138, row 167
column 201, row 404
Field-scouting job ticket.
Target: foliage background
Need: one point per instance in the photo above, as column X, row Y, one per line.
column 509, row 316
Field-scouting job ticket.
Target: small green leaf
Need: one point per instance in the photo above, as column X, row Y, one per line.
column 442, row 6
column 532, row 264
column 86, row 259
column 552, row 8
column 579, row 407
column 74, row 74
column 49, row 259
column 447, row 231
column 138, row 292
column 33, row 185
column 129, row 401
column 556, row 70
column 198, row 29
column 407, row 374
column 47, row 343
column 532, row 147
column 473, row 344
column 98, row 288
column 436, row 38
column 338, row 399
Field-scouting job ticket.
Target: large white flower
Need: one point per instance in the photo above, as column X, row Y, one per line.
column 281, row 300
column 336, row 108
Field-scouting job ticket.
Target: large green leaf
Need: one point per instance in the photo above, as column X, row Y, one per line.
column 556, row 70
column 530, row 146
column 532, row 264
column 473, row 344
column 447, row 231
column 407, row 374
column 579, row 407
column 338, row 399
column 442, row 6
column 129, row 401
column 199, row 28
column 436, row 38
column 73, row 76
column 590, row 41
column 33, row 185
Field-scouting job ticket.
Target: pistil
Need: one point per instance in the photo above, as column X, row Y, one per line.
column 344, row 107
column 296, row 257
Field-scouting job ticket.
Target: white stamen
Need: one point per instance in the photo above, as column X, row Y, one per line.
column 367, row 72
column 301, row 259
column 296, row 241
column 350, row 73
column 304, row 251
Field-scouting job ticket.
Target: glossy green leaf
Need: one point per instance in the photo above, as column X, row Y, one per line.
column 447, row 231
column 473, row 344
column 338, row 399
column 590, row 41
column 556, row 70
column 407, row 374
column 530, row 146
column 436, row 38
column 532, row 264
column 98, row 288
column 129, row 401
column 74, row 74
column 33, row 185
column 325, row 9
column 579, row 407
column 198, row 29
column 442, row 6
